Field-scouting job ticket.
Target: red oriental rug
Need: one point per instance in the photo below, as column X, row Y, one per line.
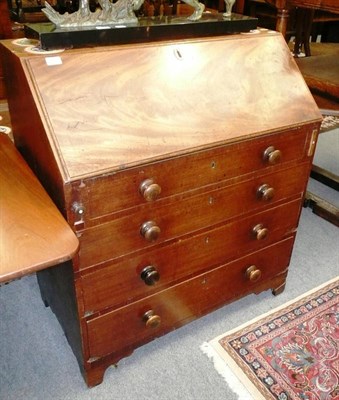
column 289, row 353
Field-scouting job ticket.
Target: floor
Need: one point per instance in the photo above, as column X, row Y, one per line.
column 5, row 119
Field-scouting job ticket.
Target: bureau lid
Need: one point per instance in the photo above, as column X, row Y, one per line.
column 113, row 107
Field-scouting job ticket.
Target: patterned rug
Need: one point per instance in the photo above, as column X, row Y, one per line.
column 289, row 353
column 329, row 123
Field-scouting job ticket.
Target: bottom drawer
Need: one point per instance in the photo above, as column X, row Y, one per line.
column 155, row 315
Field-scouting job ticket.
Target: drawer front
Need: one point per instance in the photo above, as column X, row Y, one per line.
column 181, row 217
column 121, row 190
column 126, row 327
column 142, row 275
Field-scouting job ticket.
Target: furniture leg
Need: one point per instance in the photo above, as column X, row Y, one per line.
column 282, row 19
column 322, row 208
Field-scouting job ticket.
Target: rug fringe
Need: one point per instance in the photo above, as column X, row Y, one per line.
column 221, row 367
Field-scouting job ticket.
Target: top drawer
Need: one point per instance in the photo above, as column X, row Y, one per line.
column 110, row 193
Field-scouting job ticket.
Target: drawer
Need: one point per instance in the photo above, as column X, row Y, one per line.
column 182, row 217
column 120, row 190
column 141, row 275
column 173, row 307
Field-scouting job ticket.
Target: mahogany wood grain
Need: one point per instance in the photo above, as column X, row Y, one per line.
column 33, row 234
column 324, row 5
column 122, row 235
column 283, row 7
column 5, row 22
column 94, row 368
column 119, row 191
column 321, row 73
column 124, row 119
column 5, row 32
column 102, row 286
column 177, row 305
column 194, row 115
column 28, row 127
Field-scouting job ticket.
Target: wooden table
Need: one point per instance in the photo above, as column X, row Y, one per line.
column 33, row 233
column 321, row 73
column 283, row 7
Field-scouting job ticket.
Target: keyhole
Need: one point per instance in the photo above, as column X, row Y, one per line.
column 178, row 54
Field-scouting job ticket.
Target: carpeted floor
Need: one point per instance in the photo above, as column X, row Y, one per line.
column 36, row 362
column 289, row 352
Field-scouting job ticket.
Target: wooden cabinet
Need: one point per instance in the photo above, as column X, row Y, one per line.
column 5, row 32
column 181, row 166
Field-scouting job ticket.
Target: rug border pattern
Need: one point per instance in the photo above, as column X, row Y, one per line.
column 298, row 308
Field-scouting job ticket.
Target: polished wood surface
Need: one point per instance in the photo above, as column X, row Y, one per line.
column 177, row 305
column 117, row 128
column 117, row 192
column 325, row 5
column 177, row 260
column 283, row 7
column 321, row 72
column 33, row 234
column 5, row 32
column 174, row 218
column 180, row 166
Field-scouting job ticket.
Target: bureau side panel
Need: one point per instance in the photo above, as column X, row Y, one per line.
column 57, row 291
column 28, row 129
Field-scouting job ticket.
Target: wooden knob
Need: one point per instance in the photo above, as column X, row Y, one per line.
column 151, row 320
column 272, row 156
column 265, row 192
column 150, row 275
column 150, row 190
column 150, row 231
column 253, row 273
column 260, row 232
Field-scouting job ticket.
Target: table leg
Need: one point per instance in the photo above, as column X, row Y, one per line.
column 282, row 19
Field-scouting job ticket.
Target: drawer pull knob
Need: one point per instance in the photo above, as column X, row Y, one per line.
column 265, row 192
column 151, row 320
column 272, row 156
column 150, row 231
column 253, row 273
column 78, row 209
column 260, row 232
column 150, row 275
column 149, row 190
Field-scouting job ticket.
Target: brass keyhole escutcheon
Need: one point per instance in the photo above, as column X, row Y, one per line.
column 151, row 319
column 265, row 192
column 150, row 190
column 272, row 156
column 150, row 231
column 260, row 232
column 253, row 273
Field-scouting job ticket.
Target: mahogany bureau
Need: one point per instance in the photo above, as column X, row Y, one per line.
column 181, row 166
